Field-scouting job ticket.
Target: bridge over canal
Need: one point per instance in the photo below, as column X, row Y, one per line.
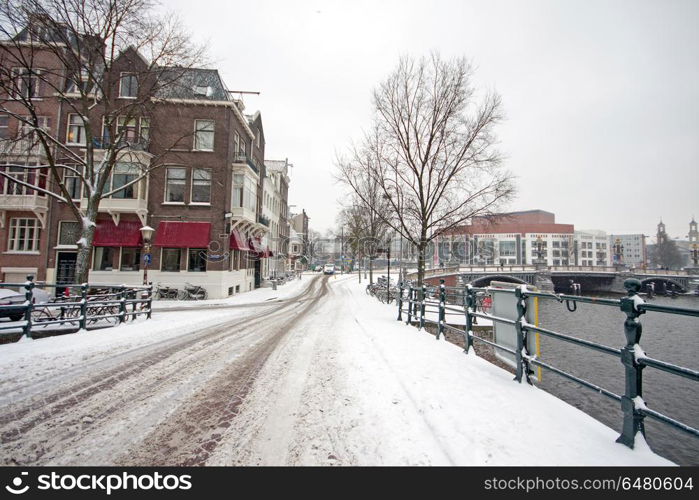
column 559, row 279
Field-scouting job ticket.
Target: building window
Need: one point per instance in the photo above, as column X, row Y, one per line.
column 197, row 260
column 257, row 138
column 145, row 130
column 69, row 233
column 130, row 259
column 104, row 258
column 204, row 135
column 236, row 143
column 24, row 235
column 78, row 84
column 128, row 85
column 76, row 130
column 122, row 175
column 25, row 83
column 170, row 261
column 201, row 185
column 128, row 129
column 175, row 184
column 72, row 182
column 28, row 131
column 238, row 187
column 508, row 249
column 4, row 127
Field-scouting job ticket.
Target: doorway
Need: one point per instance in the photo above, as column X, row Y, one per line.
column 65, row 270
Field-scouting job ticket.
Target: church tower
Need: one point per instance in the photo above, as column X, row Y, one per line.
column 693, row 233
column 661, row 237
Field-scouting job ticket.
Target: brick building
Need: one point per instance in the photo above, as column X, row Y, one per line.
column 203, row 194
column 507, row 239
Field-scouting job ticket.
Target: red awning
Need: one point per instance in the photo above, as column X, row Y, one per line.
column 183, row 234
column 238, row 242
column 126, row 234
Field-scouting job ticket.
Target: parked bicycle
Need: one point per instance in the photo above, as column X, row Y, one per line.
column 382, row 290
column 165, row 292
column 193, row 292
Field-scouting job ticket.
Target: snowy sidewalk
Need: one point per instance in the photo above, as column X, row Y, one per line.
column 352, row 386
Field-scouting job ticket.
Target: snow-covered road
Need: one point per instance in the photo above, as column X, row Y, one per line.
column 320, row 374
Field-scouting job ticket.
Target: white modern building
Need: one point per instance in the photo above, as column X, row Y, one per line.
column 592, row 248
column 634, row 253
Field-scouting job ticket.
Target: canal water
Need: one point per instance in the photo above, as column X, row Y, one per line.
column 667, row 337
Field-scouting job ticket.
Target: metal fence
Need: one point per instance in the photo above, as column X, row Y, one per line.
column 468, row 301
column 78, row 306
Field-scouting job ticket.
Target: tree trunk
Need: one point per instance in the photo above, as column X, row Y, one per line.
column 82, row 263
column 371, row 271
column 421, row 248
column 420, row 264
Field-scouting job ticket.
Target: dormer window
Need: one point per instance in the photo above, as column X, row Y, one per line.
column 203, row 91
column 128, row 85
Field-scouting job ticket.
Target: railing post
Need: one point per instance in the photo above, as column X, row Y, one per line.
column 400, row 300
column 150, row 300
column 442, row 311
column 522, row 352
column 122, row 306
column 633, row 418
column 410, row 304
column 29, row 298
column 469, row 307
column 83, row 306
column 423, row 296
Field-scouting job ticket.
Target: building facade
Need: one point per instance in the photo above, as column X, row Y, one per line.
column 507, row 239
column 204, row 193
column 592, row 248
column 634, row 252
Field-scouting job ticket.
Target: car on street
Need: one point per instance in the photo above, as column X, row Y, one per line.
column 329, row 269
column 10, row 297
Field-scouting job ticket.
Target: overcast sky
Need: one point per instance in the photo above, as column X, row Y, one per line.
column 601, row 97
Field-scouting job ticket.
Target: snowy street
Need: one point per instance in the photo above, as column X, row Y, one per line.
column 315, row 373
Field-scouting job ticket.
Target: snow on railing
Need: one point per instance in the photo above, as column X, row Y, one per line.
column 417, row 303
column 95, row 305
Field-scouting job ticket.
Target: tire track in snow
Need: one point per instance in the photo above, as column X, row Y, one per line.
column 190, row 436
column 60, row 410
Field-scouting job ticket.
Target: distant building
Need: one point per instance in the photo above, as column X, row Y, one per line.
column 592, row 248
column 508, row 239
column 299, row 224
column 635, row 251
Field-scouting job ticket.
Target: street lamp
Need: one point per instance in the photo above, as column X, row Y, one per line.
column 618, row 252
column 146, row 235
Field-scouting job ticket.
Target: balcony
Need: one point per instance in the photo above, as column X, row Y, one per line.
column 243, row 159
column 16, row 197
column 132, row 200
column 20, row 148
column 135, row 145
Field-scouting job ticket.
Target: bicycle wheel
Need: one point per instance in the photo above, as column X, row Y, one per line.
column 41, row 314
column 183, row 295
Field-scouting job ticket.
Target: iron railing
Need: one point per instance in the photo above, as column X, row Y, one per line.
column 468, row 301
column 96, row 305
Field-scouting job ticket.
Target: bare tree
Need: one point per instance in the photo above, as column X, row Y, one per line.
column 666, row 254
column 431, row 151
column 102, row 61
column 369, row 205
